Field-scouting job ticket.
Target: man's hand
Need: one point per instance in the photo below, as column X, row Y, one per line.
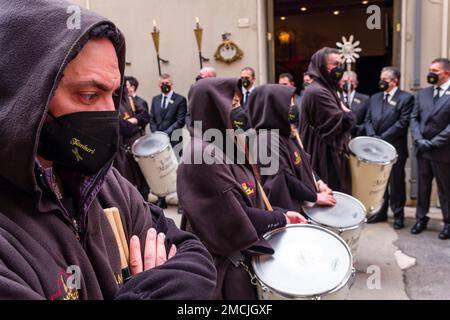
column 293, row 217
column 132, row 120
column 323, row 187
column 326, row 199
column 154, row 252
column 423, row 145
column 344, row 108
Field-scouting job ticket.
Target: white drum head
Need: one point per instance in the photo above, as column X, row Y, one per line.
column 373, row 150
column 150, row 144
column 348, row 212
column 308, row 261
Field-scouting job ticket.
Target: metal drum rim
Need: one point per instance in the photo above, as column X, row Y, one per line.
column 293, row 296
column 385, row 163
column 350, row 228
column 153, row 154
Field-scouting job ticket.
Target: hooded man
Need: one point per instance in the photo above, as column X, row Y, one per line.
column 326, row 123
column 59, row 133
column 219, row 193
column 292, row 184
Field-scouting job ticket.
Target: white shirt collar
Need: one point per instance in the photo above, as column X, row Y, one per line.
column 244, row 91
column 444, row 87
column 169, row 95
column 391, row 93
column 352, row 96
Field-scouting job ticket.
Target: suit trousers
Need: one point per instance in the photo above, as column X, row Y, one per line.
column 428, row 170
column 395, row 195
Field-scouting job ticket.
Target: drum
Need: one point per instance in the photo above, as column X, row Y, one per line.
column 310, row 262
column 347, row 218
column 371, row 163
column 157, row 161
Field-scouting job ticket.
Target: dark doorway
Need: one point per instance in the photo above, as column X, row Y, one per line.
column 301, row 27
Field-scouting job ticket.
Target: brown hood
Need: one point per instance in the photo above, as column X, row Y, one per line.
column 318, row 70
column 36, row 47
column 210, row 101
column 268, row 108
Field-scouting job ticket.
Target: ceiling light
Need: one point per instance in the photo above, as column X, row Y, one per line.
column 303, row 9
column 336, row 13
column 283, row 18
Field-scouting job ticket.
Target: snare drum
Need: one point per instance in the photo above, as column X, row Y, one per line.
column 310, row 262
column 346, row 218
column 371, row 162
column 157, row 161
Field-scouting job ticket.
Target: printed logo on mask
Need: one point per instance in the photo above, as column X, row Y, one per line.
column 248, row 187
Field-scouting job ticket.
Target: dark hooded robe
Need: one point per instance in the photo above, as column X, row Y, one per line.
column 41, row 234
column 291, row 184
column 129, row 133
column 221, row 201
column 325, row 128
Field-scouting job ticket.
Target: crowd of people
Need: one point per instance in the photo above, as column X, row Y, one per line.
column 66, row 139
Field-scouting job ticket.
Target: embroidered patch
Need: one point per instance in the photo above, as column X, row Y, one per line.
column 297, row 158
column 248, row 187
column 357, row 100
column 393, row 103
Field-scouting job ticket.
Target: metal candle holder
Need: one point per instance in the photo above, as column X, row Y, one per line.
column 155, row 36
column 198, row 31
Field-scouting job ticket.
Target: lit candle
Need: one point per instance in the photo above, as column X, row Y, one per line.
column 197, row 22
column 154, row 25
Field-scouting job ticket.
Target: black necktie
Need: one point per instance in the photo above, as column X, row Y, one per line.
column 246, row 98
column 164, row 103
column 385, row 102
column 437, row 95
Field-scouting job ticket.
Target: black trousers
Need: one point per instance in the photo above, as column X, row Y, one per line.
column 428, row 170
column 395, row 195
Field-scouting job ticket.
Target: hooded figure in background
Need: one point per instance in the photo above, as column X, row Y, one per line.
column 326, row 123
column 221, row 201
column 130, row 131
column 58, row 136
column 292, row 184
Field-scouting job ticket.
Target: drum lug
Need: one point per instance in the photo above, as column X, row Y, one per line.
column 317, row 298
column 352, row 279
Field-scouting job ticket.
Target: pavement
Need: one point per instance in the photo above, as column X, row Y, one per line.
column 396, row 265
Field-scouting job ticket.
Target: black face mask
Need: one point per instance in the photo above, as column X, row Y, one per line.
column 293, row 115
column 165, row 88
column 383, row 85
column 82, row 141
column 245, row 83
column 337, row 73
column 432, row 78
column 239, row 119
column 305, row 85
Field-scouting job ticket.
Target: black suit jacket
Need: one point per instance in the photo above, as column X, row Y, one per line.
column 359, row 108
column 171, row 118
column 432, row 122
column 141, row 103
column 391, row 124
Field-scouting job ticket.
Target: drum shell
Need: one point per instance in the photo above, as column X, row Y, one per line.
column 369, row 182
column 350, row 235
column 159, row 170
column 338, row 293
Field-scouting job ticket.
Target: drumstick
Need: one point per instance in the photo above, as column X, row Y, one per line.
column 299, row 141
column 126, row 274
column 121, row 231
column 132, row 105
column 264, row 197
